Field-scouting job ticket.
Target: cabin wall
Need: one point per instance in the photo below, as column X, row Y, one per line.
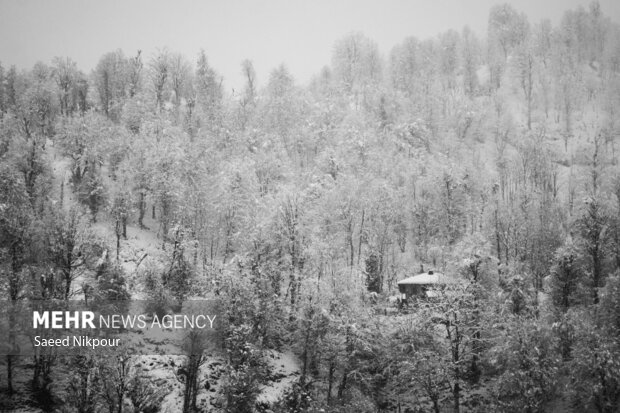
column 412, row 290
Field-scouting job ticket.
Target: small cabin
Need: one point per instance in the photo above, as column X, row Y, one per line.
column 421, row 285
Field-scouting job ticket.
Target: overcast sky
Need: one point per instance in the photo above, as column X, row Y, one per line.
column 298, row 33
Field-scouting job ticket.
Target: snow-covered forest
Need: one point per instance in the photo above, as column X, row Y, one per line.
column 491, row 159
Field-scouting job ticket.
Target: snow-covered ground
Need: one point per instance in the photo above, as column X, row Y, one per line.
column 285, row 370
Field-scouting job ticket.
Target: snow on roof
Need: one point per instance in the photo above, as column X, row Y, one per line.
column 428, row 278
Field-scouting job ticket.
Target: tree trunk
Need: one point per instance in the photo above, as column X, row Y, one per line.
column 498, row 246
column 141, row 210
column 343, row 383
column 456, row 392
column 293, row 290
column 9, row 373
column 596, row 274
column 67, row 276
column 345, row 370
column 62, row 193
column 350, row 241
column 330, row 380
column 118, row 246
column 359, row 244
column 191, row 383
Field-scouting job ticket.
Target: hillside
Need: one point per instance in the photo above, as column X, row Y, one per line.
column 291, row 212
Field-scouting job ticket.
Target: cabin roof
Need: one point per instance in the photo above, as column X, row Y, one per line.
column 428, row 278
